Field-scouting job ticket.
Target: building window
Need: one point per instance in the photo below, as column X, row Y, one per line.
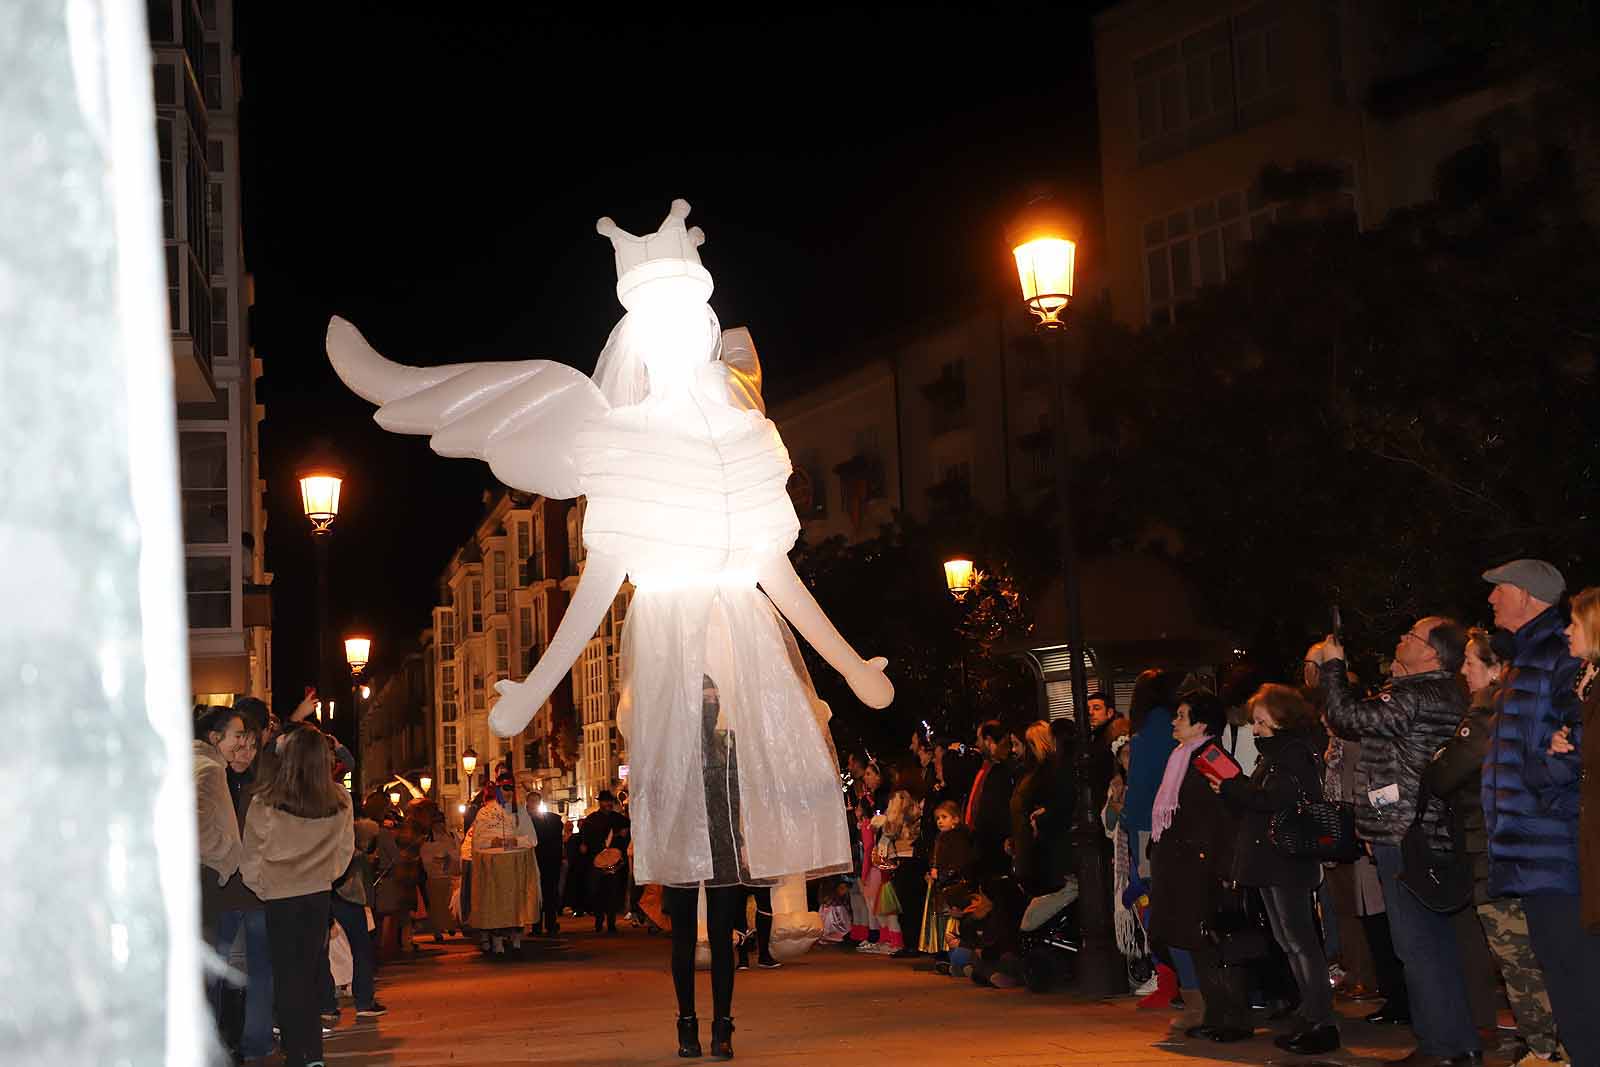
column 450, row 758
column 209, row 580
column 477, row 682
column 477, row 606
column 219, row 322
column 524, row 540
column 525, row 638
column 203, row 476
column 499, row 575
column 575, row 536
column 1225, row 77
column 213, row 76
column 447, row 636
column 169, row 176
column 502, row 652
column 1198, row 246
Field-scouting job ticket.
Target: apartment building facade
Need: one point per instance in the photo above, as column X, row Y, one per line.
column 502, row 596
column 1218, row 117
column 198, row 87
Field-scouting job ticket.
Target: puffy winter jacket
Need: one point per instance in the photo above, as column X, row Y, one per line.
column 1399, row 729
column 1530, row 798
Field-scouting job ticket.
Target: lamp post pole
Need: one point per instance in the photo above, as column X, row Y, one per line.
column 1046, row 255
column 320, row 540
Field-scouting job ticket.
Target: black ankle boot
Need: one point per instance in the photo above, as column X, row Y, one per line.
column 688, row 1036
column 722, row 1037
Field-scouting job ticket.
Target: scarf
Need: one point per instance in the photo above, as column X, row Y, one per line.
column 1171, row 781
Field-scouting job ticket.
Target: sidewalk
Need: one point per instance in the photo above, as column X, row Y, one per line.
column 600, row 1001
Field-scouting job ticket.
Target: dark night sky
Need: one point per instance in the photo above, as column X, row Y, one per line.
column 435, row 178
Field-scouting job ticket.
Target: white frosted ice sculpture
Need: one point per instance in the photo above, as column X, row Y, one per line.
column 685, row 479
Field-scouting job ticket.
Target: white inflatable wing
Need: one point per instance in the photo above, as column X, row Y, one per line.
column 521, row 418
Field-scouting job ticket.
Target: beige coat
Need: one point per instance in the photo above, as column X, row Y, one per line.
column 218, row 822
column 288, row 856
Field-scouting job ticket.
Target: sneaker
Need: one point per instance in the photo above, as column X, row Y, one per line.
column 372, row 1011
column 866, row 946
column 1145, row 988
column 768, row 964
column 743, row 964
column 329, row 1018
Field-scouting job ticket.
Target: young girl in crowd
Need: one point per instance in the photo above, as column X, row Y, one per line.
column 298, row 837
column 952, row 862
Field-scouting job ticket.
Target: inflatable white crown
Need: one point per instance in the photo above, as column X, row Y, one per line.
column 670, row 252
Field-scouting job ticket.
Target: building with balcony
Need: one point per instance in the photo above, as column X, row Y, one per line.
column 197, row 92
column 395, row 721
column 502, row 595
column 1218, row 117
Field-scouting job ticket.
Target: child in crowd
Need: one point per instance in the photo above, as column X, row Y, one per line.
column 953, row 858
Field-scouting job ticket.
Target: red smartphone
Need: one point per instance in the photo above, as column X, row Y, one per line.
column 1213, row 762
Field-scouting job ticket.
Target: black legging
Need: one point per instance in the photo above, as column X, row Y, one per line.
column 722, row 907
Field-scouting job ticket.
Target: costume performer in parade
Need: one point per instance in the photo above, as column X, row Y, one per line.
column 734, row 779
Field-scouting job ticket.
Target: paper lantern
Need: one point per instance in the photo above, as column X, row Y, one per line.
column 685, row 481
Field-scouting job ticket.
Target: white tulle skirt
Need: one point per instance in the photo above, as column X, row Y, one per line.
column 733, row 774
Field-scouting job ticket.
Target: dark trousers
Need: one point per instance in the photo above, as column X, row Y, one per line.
column 550, row 894
column 722, row 906
column 1441, row 1014
column 1226, row 990
column 911, row 886
column 1294, row 927
column 1386, row 965
column 250, row 1033
column 1570, row 958
column 352, row 919
column 297, row 934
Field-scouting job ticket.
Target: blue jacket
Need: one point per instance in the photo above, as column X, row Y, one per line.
column 1147, row 762
column 1530, row 798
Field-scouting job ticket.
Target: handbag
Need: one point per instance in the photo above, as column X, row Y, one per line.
column 1237, row 928
column 608, row 859
column 1315, row 829
column 1441, row 881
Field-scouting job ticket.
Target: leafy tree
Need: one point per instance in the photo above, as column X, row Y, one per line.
column 1368, row 418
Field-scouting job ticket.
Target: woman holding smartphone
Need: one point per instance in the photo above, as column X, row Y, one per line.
column 1290, row 741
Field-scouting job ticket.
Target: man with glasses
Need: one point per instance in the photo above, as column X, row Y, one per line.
column 1400, row 728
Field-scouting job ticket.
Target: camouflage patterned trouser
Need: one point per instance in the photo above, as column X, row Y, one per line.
column 1506, row 928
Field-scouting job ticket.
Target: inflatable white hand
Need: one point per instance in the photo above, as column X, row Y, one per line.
column 870, row 685
column 520, row 701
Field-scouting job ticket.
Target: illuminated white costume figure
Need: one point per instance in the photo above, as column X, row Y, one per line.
column 733, row 774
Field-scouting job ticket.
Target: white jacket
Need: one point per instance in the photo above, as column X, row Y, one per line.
column 218, row 822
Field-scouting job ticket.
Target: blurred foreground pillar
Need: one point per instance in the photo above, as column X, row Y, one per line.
column 98, row 964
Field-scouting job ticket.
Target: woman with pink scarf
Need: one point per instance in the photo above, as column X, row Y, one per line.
column 1194, row 833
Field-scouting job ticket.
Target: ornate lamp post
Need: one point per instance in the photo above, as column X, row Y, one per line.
column 357, row 651
column 469, row 763
column 958, row 578
column 1045, row 247
column 320, row 483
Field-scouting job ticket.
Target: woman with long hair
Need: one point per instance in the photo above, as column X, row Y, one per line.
column 298, row 838
column 1041, row 814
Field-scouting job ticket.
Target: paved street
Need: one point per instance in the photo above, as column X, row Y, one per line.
column 599, row 1001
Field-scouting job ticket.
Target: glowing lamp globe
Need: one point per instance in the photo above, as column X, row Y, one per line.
column 366, row 692
column 426, row 781
column 356, row 651
column 1045, row 267
column 958, row 577
column 469, row 761
column 319, row 497
column 394, row 797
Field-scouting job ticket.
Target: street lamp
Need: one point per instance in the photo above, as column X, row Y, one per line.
column 426, row 782
column 394, row 797
column 320, row 483
column 958, row 577
column 469, row 763
column 356, row 652
column 1045, row 247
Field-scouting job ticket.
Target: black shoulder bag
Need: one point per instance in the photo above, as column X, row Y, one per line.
column 1441, row 881
column 1315, row 829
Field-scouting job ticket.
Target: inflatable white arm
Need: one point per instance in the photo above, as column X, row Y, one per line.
column 519, row 701
column 785, row 589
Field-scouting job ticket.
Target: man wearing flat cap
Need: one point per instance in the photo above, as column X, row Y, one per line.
column 1530, row 797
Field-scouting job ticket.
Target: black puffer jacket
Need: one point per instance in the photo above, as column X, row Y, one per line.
column 1290, row 768
column 1399, row 729
column 1455, row 775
